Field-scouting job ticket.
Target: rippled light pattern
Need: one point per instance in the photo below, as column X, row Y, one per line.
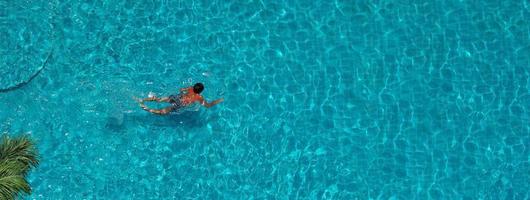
column 323, row 99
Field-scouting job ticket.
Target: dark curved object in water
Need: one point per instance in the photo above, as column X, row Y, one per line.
column 25, row 82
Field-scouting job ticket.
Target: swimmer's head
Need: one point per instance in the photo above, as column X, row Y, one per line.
column 198, row 88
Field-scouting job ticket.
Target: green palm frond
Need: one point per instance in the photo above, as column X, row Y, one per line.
column 20, row 149
column 17, row 156
column 11, row 186
column 12, row 168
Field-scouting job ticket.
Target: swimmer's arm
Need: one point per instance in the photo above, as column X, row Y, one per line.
column 213, row 103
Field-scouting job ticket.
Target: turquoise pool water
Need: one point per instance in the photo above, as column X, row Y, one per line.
column 323, row 99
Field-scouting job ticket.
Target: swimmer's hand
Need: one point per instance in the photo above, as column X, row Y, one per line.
column 218, row 100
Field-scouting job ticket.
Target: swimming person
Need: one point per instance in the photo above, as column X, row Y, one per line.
column 186, row 97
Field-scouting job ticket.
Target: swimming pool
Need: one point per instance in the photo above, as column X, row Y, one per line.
column 323, row 99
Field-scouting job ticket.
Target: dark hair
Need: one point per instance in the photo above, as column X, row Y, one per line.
column 198, row 88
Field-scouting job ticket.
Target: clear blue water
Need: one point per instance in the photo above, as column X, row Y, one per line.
column 323, row 99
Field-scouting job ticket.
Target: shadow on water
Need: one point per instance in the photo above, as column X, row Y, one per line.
column 185, row 120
